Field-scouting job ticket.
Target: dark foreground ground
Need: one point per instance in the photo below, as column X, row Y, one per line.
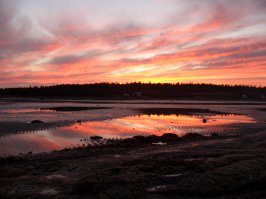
column 190, row 167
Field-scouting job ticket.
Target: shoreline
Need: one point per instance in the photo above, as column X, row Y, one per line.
column 146, row 170
column 187, row 101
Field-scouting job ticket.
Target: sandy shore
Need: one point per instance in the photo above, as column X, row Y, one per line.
column 192, row 167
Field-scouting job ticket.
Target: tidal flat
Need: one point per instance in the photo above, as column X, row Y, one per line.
column 148, row 149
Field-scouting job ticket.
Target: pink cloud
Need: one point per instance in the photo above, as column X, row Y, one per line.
column 223, row 40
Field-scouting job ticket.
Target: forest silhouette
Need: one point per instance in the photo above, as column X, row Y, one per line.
column 139, row 90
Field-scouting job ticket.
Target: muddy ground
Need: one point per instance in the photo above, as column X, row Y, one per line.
column 143, row 167
column 189, row 167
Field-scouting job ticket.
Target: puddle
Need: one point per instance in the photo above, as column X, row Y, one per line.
column 71, row 136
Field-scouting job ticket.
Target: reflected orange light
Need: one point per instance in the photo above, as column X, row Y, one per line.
column 71, row 136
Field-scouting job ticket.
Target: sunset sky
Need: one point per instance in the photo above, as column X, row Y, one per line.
column 45, row 42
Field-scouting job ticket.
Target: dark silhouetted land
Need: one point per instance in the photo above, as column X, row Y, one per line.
column 139, row 91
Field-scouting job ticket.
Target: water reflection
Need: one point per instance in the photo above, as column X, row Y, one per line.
column 70, row 136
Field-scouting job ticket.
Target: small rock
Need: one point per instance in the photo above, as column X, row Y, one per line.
column 36, row 122
column 153, row 138
column 157, row 189
column 139, row 138
column 96, row 138
column 169, row 137
column 173, row 175
column 61, row 179
column 129, row 141
column 56, row 177
column 158, row 143
column 50, row 192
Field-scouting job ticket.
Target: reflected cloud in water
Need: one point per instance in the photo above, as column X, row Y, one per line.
column 70, row 136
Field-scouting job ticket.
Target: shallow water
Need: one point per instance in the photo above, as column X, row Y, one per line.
column 73, row 136
column 123, row 120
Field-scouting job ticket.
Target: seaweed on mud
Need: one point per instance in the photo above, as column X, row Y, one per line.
column 179, row 111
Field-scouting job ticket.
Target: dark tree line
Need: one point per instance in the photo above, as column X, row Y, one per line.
column 139, row 90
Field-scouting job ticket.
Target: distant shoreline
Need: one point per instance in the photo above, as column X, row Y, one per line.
column 138, row 91
column 137, row 101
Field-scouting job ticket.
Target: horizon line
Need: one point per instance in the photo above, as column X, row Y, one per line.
column 139, row 82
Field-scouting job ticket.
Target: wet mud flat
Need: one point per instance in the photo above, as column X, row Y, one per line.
column 18, row 137
column 167, row 166
column 193, row 166
column 8, row 128
column 44, row 118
